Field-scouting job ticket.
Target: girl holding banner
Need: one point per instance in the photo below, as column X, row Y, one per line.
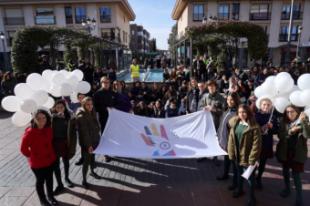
column 233, row 102
column 244, row 147
column 292, row 148
column 89, row 134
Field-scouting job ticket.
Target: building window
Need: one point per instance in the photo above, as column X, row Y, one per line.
column 13, row 16
column 45, row 16
column 68, row 15
column 105, row 14
column 198, row 12
column 259, row 12
column 286, row 11
column 10, row 37
column 235, row 11
column 223, row 12
column 284, row 33
column 80, row 14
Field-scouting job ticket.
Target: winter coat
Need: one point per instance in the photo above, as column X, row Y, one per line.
column 301, row 149
column 37, row 146
column 249, row 146
column 88, row 128
column 223, row 131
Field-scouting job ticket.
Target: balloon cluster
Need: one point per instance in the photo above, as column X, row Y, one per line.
column 282, row 91
column 35, row 92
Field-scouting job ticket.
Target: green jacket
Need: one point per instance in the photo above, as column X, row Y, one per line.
column 301, row 149
column 249, row 147
column 88, row 128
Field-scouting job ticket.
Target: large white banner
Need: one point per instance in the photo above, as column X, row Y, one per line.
column 188, row 136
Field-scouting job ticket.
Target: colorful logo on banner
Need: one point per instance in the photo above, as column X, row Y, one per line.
column 157, row 138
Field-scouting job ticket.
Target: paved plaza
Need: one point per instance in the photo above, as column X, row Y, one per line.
column 133, row 182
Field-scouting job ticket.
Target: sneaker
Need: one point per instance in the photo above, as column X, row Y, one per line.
column 95, row 175
column 59, row 190
column 80, row 162
column 285, row 193
column 69, row 183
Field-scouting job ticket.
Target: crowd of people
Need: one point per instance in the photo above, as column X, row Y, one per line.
column 244, row 131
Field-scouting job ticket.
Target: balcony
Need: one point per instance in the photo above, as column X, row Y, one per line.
column 14, row 21
column 296, row 15
column 260, row 16
column 45, row 20
column 283, row 37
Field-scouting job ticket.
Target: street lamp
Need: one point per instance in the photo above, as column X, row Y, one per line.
column 2, row 37
column 90, row 24
column 298, row 40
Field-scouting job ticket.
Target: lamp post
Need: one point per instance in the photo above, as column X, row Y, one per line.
column 2, row 37
column 298, row 41
column 90, row 24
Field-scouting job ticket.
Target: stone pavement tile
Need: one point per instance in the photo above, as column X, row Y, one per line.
column 20, row 192
column 12, row 201
column 3, row 191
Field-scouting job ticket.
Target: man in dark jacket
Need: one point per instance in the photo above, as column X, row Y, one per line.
column 103, row 99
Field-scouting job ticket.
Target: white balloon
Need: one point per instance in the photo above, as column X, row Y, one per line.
column 58, row 78
column 40, row 97
column 78, row 73
column 49, row 103
column 296, row 100
column 270, row 79
column 281, row 103
column 83, row 87
column 55, row 91
column 269, row 89
column 303, row 81
column 283, row 83
column 36, row 82
column 73, row 97
column 21, row 119
column 46, row 74
column 66, row 89
column 305, row 96
column 11, row 103
column 23, row 91
column 28, row 106
column 65, row 73
column 258, row 91
column 73, row 81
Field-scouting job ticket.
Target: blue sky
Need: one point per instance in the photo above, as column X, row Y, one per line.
column 155, row 16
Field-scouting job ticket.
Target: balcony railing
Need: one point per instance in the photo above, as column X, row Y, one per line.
column 296, row 15
column 260, row 16
column 79, row 19
column 223, row 16
column 283, row 37
column 14, row 21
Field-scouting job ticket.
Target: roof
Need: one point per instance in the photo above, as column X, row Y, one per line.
column 178, row 9
column 124, row 3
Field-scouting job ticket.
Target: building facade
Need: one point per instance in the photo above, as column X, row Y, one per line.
column 272, row 15
column 139, row 40
column 110, row 18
